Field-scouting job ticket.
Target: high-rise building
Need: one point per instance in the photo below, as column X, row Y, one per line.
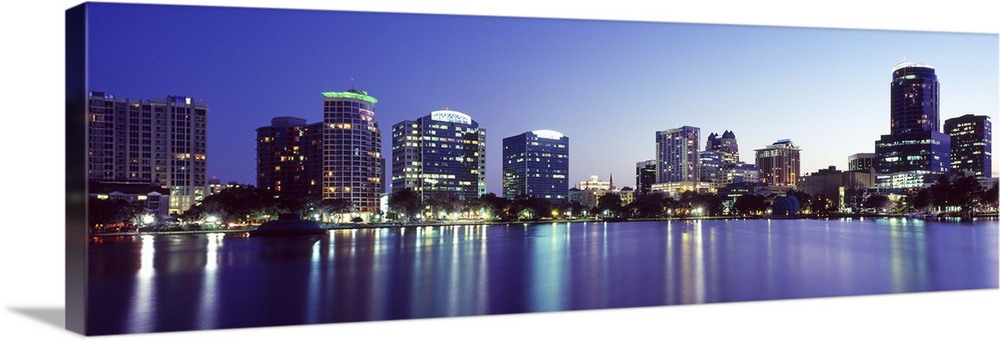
column 536, row 163
column 778, row 163
column 645, row 175
column 740, row 172
column 444, row 151
column 712, row 168
column 353, row 166
column 159, row 141
column 861, row 161
column 914, row 150
column 677, row 157
column 725, row 145
column 971, row 144
column 289, row 158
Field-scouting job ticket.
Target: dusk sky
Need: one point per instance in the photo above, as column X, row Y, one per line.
column 608, row 85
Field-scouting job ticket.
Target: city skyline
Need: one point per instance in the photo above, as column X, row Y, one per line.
column 579, row 77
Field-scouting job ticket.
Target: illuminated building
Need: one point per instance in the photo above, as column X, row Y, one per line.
column 914, row 150
column 778, row 163
column 677, row 157
column 831, row 183
column 596, row 184
column 289, row 158
column 443, row 152
column 740, row 173
column 971, row 144
column 353, row 166
column 861, row 161
column 159, row 142
column 712, row 168
column 645, row 175
column 725, row 145
column 536, row 163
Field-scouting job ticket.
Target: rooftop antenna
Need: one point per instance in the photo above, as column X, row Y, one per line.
column 352, row 83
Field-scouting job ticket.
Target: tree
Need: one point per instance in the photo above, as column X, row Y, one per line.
column 443, row 203
column 990, row 197
column 941, row 192
column 611, row 204
column 647, row 205
column 750, row 204
column 107, row 211
column 803, row 197
column 877, row 202
column 966, row 193
column 405, row 202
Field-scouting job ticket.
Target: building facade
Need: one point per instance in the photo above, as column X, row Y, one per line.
column 915, row 150
column 831, row 183
column 861, row 161
column 594, row 183
column 536, row 163
column 160, row 142
column 725, row 145
column 971, row 145
column 289, row 154
column 443, row 152
column 778, row 163
column 712, row 168
column 645, row 175
column 352, row 164
column 677, row 155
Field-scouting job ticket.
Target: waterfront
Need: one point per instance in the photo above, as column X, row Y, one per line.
column 179, row 282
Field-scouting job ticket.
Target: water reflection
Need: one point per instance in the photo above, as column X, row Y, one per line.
column 169, row 282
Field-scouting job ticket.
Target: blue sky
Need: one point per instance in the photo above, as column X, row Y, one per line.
column 608, row 85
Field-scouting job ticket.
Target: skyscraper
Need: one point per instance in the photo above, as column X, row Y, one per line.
column 677, row 157
column 289, row 158
column 160, row 142
column 914, row 149
column 778, row 163
column 971, row 144
column 353, row 166
column 725, row 145
column 645, row 175
column 444, row 152
column 536, row 163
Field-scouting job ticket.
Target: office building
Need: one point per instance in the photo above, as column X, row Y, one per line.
column 289, row 158
column 160, row 142
column 861, row 161
column 677, row 155
column 971, row 144
column 725, row 145
column 443, row 152
column 353, row 166
column 594, row 183
column 712, row 163
column 536, row 163
column 645, row 176
column 914, row 151
column 778, row 163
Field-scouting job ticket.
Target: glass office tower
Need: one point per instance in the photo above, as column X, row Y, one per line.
column 915, row 150
column 536, row 163
column 443, row 152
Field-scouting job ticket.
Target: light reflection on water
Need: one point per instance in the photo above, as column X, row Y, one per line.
column 181, row 282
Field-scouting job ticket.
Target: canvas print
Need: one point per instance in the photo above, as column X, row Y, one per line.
column 247, row 167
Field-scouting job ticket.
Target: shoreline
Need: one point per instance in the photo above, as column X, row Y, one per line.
column 353, row 226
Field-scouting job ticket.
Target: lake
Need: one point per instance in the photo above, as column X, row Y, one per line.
column 155, row 283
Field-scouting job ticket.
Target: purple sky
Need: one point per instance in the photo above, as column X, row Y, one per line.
column 608, row 85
